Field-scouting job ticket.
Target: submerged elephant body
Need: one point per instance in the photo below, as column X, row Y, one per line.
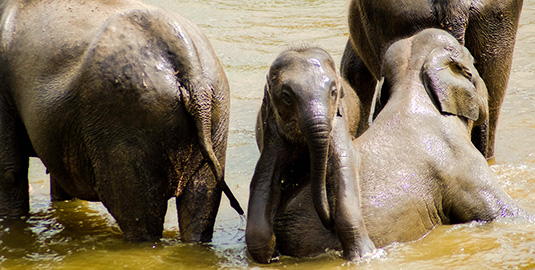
column 124, row 103
column 486, row 28
column 416, row 165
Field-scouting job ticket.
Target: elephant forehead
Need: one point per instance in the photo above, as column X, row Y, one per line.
column 311, row 70
column 316, row 77
column 300, row 65
column 315, row 61
column 303, row 58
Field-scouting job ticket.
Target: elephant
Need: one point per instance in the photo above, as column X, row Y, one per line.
column 486, row 28
column 303, row 96
column 415, row 166
column 123, row 102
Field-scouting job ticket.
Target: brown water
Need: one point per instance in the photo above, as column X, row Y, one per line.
column 248, row 34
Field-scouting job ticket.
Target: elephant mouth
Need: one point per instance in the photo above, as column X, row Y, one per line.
column 291, row 130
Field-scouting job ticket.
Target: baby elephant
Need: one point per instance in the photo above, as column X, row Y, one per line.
column 416, row 165
column 304, row 100
column 123, row 102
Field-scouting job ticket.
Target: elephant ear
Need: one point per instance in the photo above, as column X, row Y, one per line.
column 450, row 85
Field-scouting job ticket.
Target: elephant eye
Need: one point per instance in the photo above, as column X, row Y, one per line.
column 334, row 91
column 286, row 96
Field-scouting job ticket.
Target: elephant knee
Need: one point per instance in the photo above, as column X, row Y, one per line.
column 8, row 179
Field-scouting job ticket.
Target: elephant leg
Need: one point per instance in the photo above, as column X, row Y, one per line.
column 493, row 54
column 264, row 200
column 197, row 206
column 14, row 162
column 57, row 193
column 495, row 72
column 140, row 215
column 14, row 190
column 348, row 221
column 361, row 80
column 134, row 190
column 481, row 139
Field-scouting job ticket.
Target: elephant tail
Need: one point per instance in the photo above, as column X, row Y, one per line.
column 200, row 109
column 199, row 95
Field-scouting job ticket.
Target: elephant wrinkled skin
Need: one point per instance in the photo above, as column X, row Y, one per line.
column 416, row 165
column 123, row 102
column 486, row 27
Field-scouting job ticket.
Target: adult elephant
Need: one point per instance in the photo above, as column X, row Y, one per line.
column 123, row 102
column 486, row 28
column 302, row 99
column 415, row 166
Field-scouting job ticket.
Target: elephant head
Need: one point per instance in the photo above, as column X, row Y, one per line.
column 304, row 92
column 444, row 67
column 302, row 98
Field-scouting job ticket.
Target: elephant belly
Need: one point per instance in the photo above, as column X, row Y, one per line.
column 299, row 231
column 75, row 187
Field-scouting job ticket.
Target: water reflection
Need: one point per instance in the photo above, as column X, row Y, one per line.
column 55, row 232
column 248, row 35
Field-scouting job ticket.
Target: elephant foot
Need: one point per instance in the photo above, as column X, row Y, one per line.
column 363, row 247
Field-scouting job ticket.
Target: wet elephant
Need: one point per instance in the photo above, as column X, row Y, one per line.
column 123, row 102
column 486, row 28
column 416, row 165
column 303, row 97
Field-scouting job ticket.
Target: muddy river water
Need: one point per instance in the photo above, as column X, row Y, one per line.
column 247, row 35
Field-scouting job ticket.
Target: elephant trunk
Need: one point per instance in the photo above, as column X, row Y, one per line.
column 317, row 130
